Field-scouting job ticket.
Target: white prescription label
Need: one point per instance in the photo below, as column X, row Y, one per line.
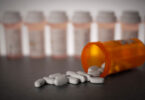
column 13, row 41
column 58, row 42
column 36, row 43
column 128, row 34
column 105, row 34
column 82, row 37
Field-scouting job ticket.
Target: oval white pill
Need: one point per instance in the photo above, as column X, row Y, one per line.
column 39, row 82
column 93, row 68
column 94, row 73
column 49, row 80
column 75, row 75
column 73, row 80
column 96, row 80
column 54, row 75
column 84, row 74
column 60, row 80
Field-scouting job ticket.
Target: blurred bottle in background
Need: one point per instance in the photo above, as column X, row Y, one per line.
column 130, row 24
column 12, row 23
column 58, row 21
column 82, row 22
column 35, row 23
column 106, row 25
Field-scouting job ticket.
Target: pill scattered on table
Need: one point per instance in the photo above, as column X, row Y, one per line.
column 73, row 80
column 60, row 80
column 74, row 74
column 95, row 71
column 54, row 75
column 93, row 68
column 71, row 77
column 84, row 74
column 39, row 82
column 96, row 80
column 49, row 80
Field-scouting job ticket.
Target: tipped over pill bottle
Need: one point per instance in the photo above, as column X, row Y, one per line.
column 12, row 23
column 117, row 55
column 58, row 21
column 106, row 21
column 129, row 22
column 35, row 23
column 82, row 22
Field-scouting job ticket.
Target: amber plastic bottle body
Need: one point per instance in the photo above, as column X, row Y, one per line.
column 58, row 40
column 13, row 40
column 129, row 30
column 81, row 37
column 106, row 31
column 118, row 55
column 36, row 39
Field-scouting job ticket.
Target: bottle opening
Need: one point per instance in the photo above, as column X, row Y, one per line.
column 94, row 54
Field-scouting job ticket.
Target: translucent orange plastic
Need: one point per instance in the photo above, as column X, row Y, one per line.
column 118, row 55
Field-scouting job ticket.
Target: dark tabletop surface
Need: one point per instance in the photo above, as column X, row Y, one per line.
column 17, row 82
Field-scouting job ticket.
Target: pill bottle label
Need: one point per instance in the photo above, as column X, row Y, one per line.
column 81, row 37
column 13, row 41
column 127, row 34
column 58, row 42
column 36, row 43
column 105, row 34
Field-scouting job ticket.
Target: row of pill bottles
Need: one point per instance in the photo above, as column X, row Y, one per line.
column 82, row 22
column 106, row 21
column 35, row 23
column 58, row 20
column 130, row 21
column 12, row 23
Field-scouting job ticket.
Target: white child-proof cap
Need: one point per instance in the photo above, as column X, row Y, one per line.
column 34, row 17
column 81, row 17
column 106, row 17
column 11, row 17
column 130, row 17
column 57, row 17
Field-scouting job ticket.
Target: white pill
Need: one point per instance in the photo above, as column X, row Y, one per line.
column 84, row 74
column 96, row 80
column 94, row 73
column 49, row 80
column 75, row 75
column 73, row 80
column 60, row 80
column 39, row 82
column 54, row 75
column 92, row 68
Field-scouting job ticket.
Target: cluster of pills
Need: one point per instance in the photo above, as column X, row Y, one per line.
column 58, row 79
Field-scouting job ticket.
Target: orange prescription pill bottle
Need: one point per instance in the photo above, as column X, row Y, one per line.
column 82, row 23
column 58, row 21
column 129, row 22
column 12, row 23
column 106, row 21
column 35, row 23
column 118, row 55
